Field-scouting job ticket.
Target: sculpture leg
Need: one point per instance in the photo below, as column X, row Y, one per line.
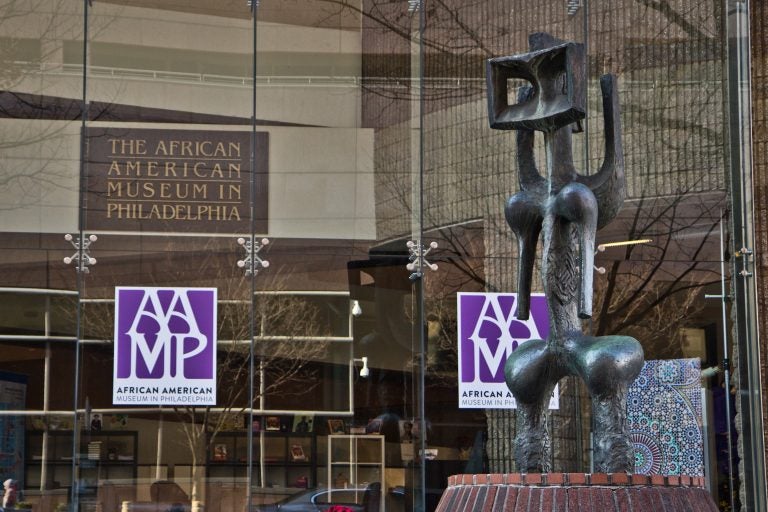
column 608, row 365
column 613, row 450
column 532, row 444
column 529, row 376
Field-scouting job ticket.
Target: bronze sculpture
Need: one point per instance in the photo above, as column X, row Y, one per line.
column 566, row 208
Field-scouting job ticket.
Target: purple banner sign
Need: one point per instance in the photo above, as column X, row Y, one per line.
column 165, row 346
column 488, row 334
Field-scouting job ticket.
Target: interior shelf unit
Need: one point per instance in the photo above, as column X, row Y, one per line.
column 280, row 459
column 103, row 455
column 356, row 461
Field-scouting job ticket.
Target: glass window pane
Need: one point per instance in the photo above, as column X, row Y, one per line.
column 39, row 166
column 327, row 169
column 173, row 176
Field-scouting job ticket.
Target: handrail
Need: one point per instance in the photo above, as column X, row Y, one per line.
column 37, row 291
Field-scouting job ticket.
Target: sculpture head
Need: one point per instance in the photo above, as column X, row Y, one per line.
column 555, row 70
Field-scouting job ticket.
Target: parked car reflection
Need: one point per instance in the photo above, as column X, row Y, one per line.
column 366, row 499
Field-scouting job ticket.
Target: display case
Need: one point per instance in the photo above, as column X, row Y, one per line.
column 103, row 455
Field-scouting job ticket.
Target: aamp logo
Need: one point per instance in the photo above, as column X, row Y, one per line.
column 488, row 333
column 165, row 343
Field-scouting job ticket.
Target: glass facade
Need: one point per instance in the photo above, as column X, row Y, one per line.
column 298, row 193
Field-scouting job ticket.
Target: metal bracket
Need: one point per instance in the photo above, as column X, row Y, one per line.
column 726, row 298
column 81, row 255
column 251, row 262
column 745, row 253
column 418, row 259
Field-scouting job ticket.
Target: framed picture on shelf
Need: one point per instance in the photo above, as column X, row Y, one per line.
column 302, row 424
column 220, row 452
column 272, row 423
column 96, row 422
column 116, row 421
column 429, row 453
column 336, row 427
column 38, row 423
column 297, row 453
column 254, row 424
column 406, row 431
column 226, row 421
column 59, row 423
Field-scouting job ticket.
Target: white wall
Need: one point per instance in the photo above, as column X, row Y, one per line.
column 320, row 179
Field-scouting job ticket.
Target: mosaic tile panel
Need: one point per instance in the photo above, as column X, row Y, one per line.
column 664, row 416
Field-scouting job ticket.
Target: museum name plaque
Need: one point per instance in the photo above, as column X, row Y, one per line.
column 167, row 180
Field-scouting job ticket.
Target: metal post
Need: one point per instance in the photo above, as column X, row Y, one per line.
column 724, row 297
column 159, row 457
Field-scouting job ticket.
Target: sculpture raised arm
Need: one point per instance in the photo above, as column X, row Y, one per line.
column 608, row 184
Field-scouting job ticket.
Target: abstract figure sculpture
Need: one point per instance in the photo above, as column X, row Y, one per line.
column 566, row 208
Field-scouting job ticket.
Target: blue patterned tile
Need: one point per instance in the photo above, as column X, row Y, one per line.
column 664, row 412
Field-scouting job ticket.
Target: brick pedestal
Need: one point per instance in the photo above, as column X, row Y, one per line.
column 575, row 492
